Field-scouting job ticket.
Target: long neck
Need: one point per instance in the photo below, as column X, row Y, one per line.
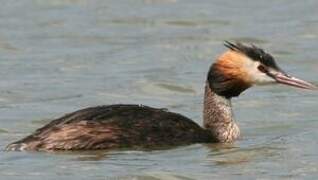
column 218, row 116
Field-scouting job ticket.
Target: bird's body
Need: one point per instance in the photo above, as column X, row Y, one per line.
column 139, row 127
column 115, row 126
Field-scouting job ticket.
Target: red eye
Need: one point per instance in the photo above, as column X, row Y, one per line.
column 262, row 69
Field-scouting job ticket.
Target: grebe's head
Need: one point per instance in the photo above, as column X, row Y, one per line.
column 244, row 66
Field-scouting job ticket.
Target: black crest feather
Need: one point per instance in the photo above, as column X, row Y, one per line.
column 253, row 52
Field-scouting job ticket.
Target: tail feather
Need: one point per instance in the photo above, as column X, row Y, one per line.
column 16, row 147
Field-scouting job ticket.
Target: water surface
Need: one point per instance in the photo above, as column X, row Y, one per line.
column 63, row 55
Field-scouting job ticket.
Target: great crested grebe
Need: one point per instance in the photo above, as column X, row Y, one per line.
column 135, row 126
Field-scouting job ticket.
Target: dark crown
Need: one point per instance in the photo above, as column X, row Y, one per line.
column 253, row 52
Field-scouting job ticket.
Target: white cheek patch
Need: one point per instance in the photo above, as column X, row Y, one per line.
column 256, row 76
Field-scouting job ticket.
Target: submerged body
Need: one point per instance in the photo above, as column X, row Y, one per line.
column 115, row 126
column 140, row 127
column 133, row 126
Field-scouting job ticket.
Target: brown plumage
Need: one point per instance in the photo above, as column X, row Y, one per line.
column 143, row 127
column 228, row 76
column 114, row 126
